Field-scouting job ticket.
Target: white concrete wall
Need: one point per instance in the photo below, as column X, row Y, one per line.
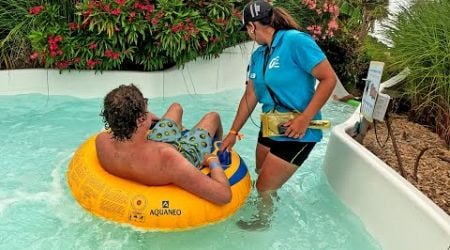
column 394, row 212
column 201, row 76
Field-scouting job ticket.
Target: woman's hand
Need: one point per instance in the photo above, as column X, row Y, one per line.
column 228, row 142
column 296, row 128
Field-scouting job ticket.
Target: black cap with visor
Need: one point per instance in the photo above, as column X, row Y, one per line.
column 255, row 11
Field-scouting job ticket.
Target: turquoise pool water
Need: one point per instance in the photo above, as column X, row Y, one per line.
column 37, row 211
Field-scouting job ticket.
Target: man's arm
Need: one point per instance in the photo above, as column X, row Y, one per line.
column 182, row 173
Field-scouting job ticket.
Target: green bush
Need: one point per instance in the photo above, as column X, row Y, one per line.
column 378, row 51
column 348, row 59
column 420, row 37
column 130, row 34
column 15, row 46
column 144, row 35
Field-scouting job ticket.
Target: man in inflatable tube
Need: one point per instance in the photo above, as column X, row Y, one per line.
column 165, row 155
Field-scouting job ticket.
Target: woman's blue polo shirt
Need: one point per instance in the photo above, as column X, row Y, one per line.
column 288, row 69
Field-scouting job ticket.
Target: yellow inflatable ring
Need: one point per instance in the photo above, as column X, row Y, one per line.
column 160, row 208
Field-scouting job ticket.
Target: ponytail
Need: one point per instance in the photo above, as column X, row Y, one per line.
column 280, row 20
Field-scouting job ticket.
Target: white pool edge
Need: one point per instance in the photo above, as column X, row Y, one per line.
column 394, row 212
column 198, row 77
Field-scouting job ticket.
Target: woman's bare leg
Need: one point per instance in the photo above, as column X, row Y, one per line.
column 261, row 154
column 273, row 173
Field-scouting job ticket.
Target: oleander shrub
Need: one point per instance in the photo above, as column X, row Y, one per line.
column 321, row 19
column 349, row 60
column 420, row 37
column 15, row 46
column 127, row 34
column 153, row 35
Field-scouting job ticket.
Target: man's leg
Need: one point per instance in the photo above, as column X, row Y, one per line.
column 175, row 113
column 211, row 122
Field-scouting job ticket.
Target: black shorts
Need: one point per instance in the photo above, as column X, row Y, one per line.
column 294, row 152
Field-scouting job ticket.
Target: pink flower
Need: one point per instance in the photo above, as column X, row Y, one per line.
column 76, row 60
column 90, row 64
column 132, row 16
column 58, row 38
column 111, row 54
column 121, row 2
column 87, row 13
column 332, row 25
column 155, row 21
column 73, row 26
column 116, row 12
column 139, row 6
column 34, row 56
column 150, row 8
column 332, row 8
column 36, row 9
column 315, row 30
column 92, row 46
column 177, row 27
column 310, row 3
column 62, row 64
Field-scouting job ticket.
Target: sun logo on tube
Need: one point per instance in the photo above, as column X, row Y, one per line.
column 139, row 202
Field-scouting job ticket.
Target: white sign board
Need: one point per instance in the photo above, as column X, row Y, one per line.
column 381, row 106
column 371, row 90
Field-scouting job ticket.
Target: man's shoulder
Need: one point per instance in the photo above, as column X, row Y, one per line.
column 102, row 142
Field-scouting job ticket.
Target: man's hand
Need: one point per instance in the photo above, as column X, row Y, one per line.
column 211, row 160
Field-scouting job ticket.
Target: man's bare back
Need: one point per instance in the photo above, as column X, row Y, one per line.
column 133, row 160
column 125, row 151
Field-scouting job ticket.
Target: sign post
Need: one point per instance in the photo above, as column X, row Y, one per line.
column 371, row 90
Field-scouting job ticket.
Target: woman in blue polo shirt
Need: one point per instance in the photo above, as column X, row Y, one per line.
column 282, row 74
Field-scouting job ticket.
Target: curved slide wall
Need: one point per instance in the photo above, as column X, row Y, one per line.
column 202, row 76
column 394, row 212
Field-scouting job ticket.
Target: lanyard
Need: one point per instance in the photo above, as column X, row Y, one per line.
column 267, row 55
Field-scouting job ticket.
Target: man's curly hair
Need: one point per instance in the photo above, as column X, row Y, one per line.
column 122, row 107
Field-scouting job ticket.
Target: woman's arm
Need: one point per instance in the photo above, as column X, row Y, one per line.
column 246, row 106
column 324, row 73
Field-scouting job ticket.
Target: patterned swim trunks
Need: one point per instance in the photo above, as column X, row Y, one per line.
column 193, row 144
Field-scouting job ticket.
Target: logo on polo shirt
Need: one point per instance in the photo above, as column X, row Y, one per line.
column 274, row 63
